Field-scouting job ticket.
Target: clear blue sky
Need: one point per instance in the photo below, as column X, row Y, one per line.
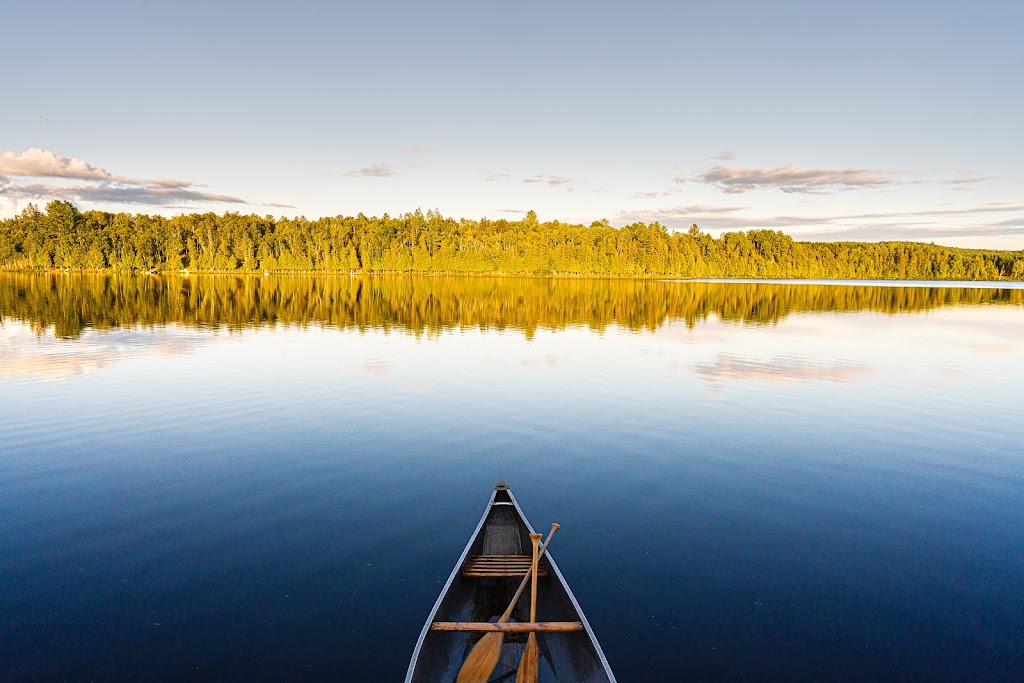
column 894, row 120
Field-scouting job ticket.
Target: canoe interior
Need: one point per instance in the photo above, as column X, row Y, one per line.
column 564, row 657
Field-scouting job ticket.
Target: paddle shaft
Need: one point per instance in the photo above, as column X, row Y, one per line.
column 535, row 539
column 530, row 662
column 522, row 586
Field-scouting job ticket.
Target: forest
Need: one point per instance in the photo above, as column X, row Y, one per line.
column 64, row 238
column 69, row 303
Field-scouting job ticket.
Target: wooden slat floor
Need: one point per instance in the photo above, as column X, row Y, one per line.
column 497, row 566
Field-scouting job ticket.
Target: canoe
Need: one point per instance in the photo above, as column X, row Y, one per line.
column 479, row 589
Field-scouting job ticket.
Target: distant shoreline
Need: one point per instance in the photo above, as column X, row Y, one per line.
column 65, row 239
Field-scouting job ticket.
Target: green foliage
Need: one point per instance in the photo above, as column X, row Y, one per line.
column 65, row 238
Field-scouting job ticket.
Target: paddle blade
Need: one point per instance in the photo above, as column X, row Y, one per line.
column 482, row 659
column 528, row 665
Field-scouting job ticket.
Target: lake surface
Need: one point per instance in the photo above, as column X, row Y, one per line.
column 224, row 478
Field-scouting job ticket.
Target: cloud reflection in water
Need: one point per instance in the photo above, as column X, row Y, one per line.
column 779, row 370
column 44, row 357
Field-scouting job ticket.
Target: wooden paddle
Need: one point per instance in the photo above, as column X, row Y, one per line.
column 485, row 654
column 528, row 665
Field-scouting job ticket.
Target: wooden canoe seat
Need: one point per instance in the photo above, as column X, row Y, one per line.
column 509, row 626
column 498, row 566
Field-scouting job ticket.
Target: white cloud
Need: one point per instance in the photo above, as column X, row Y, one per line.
column 417, row 149
column 39, row 163
column 790, row 179
column 490, row 177
column 102, row 187
column 726, row 155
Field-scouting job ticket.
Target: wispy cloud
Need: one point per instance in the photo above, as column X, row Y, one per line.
column 417, row 149
column 169, row 182
column 645, row 195
column 717, row 209
column 550, row 180
column 539, row 178
column 790, row 179
column 917, row 232
column 709, row 209
column 1011, row 223
column 380, row 169
column 152, row 195
column 990, row 207
column 676, row 214
column 101, row 187
column 966, row 180
column 925, row 224
column 726, row 155
column 928, row 224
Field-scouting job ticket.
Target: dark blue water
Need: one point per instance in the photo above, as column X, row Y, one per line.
column 838, row 495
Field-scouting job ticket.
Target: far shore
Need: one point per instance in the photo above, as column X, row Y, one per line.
column 187, row 272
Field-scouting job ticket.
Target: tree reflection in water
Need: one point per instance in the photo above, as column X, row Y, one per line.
column 68, row 304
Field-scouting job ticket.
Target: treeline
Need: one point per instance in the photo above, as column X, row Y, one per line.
column 67, row 304
column 62, row 237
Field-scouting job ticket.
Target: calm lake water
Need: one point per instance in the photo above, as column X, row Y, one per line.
column 271, row 478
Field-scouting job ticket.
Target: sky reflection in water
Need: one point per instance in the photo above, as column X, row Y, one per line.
column 752, row 483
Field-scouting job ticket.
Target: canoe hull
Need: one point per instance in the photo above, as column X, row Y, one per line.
column 566, row 657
